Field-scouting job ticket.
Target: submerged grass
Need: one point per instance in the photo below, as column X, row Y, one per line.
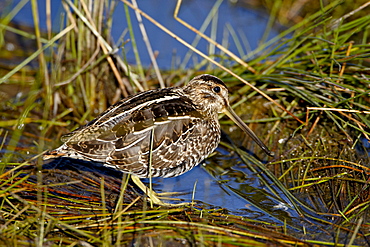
column 317, row 70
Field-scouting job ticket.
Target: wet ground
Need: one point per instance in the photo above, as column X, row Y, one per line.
column 237, row 178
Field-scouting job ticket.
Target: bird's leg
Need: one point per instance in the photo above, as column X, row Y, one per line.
column 150, row 193
column 155, row 197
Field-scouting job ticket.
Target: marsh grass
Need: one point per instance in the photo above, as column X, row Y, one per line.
column 317, row 70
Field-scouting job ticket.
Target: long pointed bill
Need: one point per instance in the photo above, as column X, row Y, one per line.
column 232, row 115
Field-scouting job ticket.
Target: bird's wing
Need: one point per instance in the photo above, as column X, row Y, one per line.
column 161, row 136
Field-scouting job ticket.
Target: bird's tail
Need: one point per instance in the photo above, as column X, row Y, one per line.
column 62, row 151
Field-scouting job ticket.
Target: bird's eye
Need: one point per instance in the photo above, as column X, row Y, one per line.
column 217, row 89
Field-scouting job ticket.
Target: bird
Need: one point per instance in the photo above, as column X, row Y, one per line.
column 156, row 133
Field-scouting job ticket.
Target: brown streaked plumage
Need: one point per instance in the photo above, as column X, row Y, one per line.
column 172, row 129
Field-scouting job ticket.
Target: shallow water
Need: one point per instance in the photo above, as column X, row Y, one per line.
column 224, row 181
column 247, row 24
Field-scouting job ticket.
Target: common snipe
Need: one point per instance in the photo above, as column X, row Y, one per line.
column 157, row 133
